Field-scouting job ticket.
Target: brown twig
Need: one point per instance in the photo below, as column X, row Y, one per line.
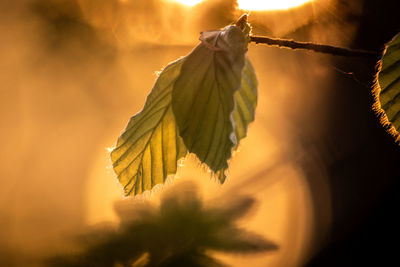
column 327, row 49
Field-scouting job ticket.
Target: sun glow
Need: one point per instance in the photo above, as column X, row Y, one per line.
column 188, row 2
column 254, row 4
column 270, row 4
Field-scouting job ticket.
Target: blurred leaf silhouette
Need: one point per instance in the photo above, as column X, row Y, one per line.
column 180, row 232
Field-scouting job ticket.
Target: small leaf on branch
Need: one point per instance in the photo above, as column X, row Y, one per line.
column 246, row 101
column 203, row 96
column 149, row 148
column 201, row 104
column 387, row 87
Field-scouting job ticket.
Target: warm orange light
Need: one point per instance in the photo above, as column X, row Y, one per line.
column 270, row 4
column 188, row 2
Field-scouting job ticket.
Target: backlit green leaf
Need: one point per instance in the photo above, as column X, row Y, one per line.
column 246, row 101
column 203, row 97
column 387, row 87
column 149, row 148
column 202, row 103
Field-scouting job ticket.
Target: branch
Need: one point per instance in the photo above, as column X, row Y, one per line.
column 327, row 49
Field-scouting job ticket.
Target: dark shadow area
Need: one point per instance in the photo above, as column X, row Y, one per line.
column 363, row 164
column 182, row 231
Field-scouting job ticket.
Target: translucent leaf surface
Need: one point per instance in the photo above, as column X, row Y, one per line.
column 387, row 87
column 202, row 103
column 246, row 101
column 203, row 97
column 149, row 148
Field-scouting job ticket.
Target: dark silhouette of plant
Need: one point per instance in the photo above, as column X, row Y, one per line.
column 180, row 232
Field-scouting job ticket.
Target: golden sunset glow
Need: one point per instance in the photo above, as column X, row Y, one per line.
column 255, row 4
column 188, row 2
column 270, row 4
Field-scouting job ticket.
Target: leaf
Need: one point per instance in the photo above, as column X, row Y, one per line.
column 149, row 148
column 387, row 87
column 246, row 101
column 209, row 98
column 203, row 96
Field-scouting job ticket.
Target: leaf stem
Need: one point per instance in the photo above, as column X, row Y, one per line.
column 327, row 49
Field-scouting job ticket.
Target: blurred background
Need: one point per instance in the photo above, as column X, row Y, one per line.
column 322, row 171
